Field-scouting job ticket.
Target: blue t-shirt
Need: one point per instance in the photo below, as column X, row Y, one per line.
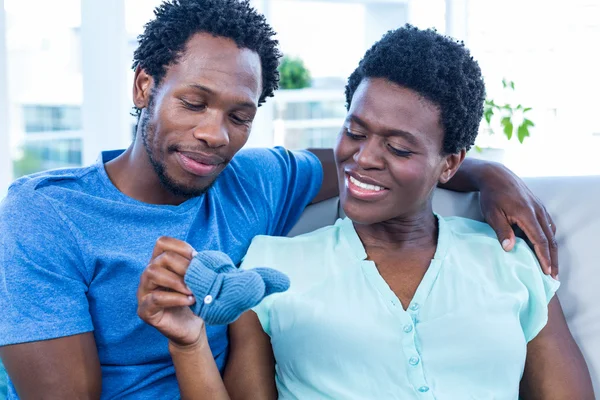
column 73, row 248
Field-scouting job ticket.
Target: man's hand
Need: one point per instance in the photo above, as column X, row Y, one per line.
column 163, row 297
column 506, row 201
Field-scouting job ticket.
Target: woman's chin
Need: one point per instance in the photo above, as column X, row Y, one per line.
column 360, row 214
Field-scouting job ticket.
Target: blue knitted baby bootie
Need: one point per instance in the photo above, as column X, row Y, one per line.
column 224, row 292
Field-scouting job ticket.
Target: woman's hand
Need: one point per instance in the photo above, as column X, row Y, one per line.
column 506, row 201
column 164, row 298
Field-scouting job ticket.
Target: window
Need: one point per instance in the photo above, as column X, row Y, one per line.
column 40, row 118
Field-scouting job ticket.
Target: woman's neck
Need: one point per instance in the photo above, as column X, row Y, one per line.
column 415, row 232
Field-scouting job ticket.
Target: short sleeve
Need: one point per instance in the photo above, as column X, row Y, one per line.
column 287, row 180
column 541, row 289
column 259, row 255
column 42, row 283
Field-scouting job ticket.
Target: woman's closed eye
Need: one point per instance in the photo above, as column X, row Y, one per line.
column 398, row 152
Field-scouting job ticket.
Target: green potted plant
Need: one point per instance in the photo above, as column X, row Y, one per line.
column 513, row 120
column 293, row 74
column 502, row 117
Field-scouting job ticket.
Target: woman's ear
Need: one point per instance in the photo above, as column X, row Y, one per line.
column 142, row 88
column 452, row 163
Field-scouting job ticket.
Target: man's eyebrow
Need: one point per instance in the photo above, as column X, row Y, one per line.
column 240, row 102
column 391, row 132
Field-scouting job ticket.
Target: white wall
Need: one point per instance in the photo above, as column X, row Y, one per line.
column 106, row 95
column 5, row 153
column 380, row 18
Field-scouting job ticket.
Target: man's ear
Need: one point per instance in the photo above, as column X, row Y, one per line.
column 452, row 163
column 142, row 88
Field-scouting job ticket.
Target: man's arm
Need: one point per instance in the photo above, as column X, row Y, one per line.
column 46, row 340
column 555, row 368
column 64, row 368
column 329, row 186
column 505, row 201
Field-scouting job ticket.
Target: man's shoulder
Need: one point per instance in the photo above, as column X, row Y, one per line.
column 264, row 162
column 31, row 190
column 56, row 177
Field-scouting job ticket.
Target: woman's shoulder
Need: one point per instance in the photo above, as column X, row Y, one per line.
column 477, row 242
column 479, row 235
column 477, row 250
column 286, row 253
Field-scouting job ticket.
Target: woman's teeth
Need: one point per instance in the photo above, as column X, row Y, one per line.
column 365, row 186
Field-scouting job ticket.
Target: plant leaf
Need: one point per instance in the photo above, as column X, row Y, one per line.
column 527, row 109
column 488, row 113
column 523, row 132
column 508, row 127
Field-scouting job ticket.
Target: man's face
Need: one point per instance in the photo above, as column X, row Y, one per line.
column 200, row 115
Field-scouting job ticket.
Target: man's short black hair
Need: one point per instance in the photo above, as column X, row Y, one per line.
column 438, row 68
column 176, row 21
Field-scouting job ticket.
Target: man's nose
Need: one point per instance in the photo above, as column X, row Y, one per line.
column 211, row 129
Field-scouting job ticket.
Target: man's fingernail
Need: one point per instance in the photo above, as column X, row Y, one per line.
column 194, row 253
column 191, row 298
column 505, row 244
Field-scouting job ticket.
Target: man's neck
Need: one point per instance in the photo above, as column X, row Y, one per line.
column 133, row 174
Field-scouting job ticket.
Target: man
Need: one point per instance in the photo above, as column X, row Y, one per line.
column 75, row 242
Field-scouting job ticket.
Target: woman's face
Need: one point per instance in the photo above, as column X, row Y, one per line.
column 389, row 153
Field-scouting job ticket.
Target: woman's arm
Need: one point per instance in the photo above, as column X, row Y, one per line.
column 197, row 373
column 555, row 368
column 250, row 371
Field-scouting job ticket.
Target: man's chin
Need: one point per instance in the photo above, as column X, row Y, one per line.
column 186, row 190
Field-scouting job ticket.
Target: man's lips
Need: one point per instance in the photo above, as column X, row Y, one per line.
column 198, row 164
column 209, row 159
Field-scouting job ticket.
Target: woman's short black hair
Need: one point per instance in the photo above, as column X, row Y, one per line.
column 438, row 68
column 176, row 21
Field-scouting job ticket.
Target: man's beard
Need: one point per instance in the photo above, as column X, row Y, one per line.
column 148, row 134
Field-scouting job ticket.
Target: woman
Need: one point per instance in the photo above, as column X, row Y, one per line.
column 393, row 301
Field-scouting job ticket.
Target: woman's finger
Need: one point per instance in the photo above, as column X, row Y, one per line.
column 172, row 261
column 155, row 302
column 159, row 277
column 165, row 243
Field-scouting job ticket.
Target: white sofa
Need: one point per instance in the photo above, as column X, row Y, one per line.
column 574, row 204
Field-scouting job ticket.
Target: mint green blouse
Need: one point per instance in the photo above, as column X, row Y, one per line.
column 340, row 332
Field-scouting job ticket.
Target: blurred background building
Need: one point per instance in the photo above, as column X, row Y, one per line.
column 65, row 75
